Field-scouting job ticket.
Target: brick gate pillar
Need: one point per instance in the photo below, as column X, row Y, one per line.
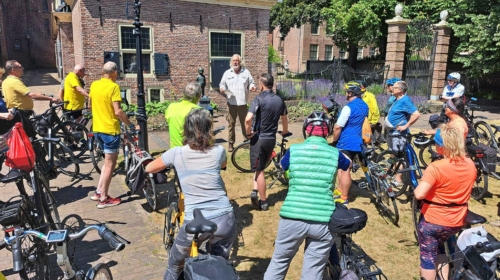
column 396, row 39
column 441, row 56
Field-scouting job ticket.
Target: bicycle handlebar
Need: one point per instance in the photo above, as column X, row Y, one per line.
column 411, row 168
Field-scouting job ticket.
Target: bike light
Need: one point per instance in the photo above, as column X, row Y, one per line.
column 389, row 189
column 90, row 134
column 479, row 155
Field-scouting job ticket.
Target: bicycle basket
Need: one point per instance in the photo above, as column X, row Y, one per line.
column 13, row 212
column 346, row 220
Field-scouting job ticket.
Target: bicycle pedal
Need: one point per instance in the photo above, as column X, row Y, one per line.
column 362, row 185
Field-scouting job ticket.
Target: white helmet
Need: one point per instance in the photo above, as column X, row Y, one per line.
column 454, row 76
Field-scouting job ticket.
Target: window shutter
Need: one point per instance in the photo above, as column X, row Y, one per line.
column 162, row 63
column 113, row 56
column 218, row 67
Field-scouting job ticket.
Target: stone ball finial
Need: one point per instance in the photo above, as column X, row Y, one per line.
column 443, row 15
column 399, row 10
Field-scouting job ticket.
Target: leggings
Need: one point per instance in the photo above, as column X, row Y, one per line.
column 431, row 238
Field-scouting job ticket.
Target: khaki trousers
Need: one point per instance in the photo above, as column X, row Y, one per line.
column 241, row 113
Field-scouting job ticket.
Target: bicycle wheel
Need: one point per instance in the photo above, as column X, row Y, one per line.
column 485, row 134
column 96, row 155
column 425, row 154
column 27, row 189
column 387, row 202
column 241, row 157
column 35, row 260
column 73, row 135
column 171, row 226
column 150, row 191
column 127, row 156
column 65, row 160
column 388, row 158
column 415, row 215
column 480, row 187
column 49, row 205
column 100, row 271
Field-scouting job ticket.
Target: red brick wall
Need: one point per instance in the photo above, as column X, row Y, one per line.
column 68, row 50
column 31, row 17
column 187, row 48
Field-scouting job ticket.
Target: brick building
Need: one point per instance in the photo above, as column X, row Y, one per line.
column 178, row 37
column 310, row 42
column 25, row 33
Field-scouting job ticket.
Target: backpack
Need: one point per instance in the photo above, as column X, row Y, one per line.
column 136, row 175
column 20, row 154
column 209, row 267
column 366, row 131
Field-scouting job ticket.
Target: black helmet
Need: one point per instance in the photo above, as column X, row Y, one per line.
column 317, row 124
column 354, row 88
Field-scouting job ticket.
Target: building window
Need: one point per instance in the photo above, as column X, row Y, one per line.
column 373, row 51
column 313, row 52
column 47, row 27
column 328, row 52
column 155, row 95
column 343, row 54
column 223, row 46
column 128, row 52
column 315, row 28
column 128, row 93
column 360, row 53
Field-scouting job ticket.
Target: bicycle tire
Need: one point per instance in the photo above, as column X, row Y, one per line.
column 127, row 156
column 171, row 226
column 64, row 159
column 35, row 260
column 96, row 155
column 388, row 202
column 415, row 216
column 241, row 158
column 99, row 271
column 382, row 158
column 150, row 191
column 485, row 134
column 78, row 137
column 34, row 198
column 480, row 187
column 424, row 155
column 49, row 205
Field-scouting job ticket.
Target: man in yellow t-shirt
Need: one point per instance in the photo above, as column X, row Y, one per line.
column 16, row 93
column 373, row 112
column 74, row 93
column 176, row 113
column 105, row 100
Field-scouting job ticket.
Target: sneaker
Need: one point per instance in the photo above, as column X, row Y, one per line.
column 109, row 202
column 263, row 206
column 254, row 198
column 336, row 194
column 340, row 200
column 95, row 197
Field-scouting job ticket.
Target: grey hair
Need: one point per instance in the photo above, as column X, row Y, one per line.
column 78, row 67
column 242, row 63
column 192, row 92
column 402, row 85
column 11, row 64
column 109, row 67
column 198, row 130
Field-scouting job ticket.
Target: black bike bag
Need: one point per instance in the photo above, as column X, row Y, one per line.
column 209, row 267
column 346, row 220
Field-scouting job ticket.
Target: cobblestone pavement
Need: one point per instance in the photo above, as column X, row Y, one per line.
column 145, row 257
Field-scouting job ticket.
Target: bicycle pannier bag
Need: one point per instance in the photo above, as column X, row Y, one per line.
column 367, row 132
column 490, row 157
column 208, row 267
column 20, row 155
column 346, row 220
column 136, row 176
column 13, row 212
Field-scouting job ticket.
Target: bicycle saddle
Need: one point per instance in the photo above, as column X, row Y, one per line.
column 366, row 151
column 13, row 175
column 286, row 135
column 472, row 218
column 199, row 224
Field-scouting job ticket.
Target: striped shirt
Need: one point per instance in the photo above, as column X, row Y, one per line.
column 238, row 84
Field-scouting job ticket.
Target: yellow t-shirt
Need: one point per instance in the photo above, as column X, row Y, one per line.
column 75, row 99
column 16, row 94
column 103, row 93
column 373, row 111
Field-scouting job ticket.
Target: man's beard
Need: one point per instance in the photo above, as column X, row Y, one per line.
column 236, row 67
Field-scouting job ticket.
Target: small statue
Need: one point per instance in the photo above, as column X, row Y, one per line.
column 201, row 81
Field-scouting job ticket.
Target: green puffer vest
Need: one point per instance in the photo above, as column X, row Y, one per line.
column 313, row 170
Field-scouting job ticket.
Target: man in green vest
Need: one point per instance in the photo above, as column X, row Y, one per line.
column 309, row 204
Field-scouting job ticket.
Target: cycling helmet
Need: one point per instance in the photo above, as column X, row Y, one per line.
column 316, row 124
column 454, row 76
column 421, row 141
column 353, row 87
column 362, row 84
column 392, row 81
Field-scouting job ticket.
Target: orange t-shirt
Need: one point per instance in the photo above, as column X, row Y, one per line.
column 451, row 182
column 460, row 124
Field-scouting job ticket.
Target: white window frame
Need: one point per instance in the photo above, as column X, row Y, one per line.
column 162, row 93
column 360, row 53
column 346, row 54
column 128, row 93
column 317, row 51
column 133, row 51
column 210, row 57
column 373, row 51
column 319, row 26
column 331, row 52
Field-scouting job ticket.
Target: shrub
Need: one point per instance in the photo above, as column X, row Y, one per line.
column 272, row 55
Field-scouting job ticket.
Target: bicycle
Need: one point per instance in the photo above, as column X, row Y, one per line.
column 241, row 155
column 60, row 239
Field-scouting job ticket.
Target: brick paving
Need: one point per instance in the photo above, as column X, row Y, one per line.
column 145, row 258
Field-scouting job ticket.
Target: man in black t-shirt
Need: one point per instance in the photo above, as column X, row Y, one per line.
column 267, row 108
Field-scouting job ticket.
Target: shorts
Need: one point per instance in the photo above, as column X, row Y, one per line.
column 351, row 155
column 396, row 143
column 260, row 152
column 431, row 238
column 73, row 114
column 109, row 143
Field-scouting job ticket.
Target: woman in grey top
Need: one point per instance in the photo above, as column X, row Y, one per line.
column 198, row 164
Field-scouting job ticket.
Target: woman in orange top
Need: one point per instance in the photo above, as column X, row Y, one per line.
column 445, row 190
column 454, row 110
